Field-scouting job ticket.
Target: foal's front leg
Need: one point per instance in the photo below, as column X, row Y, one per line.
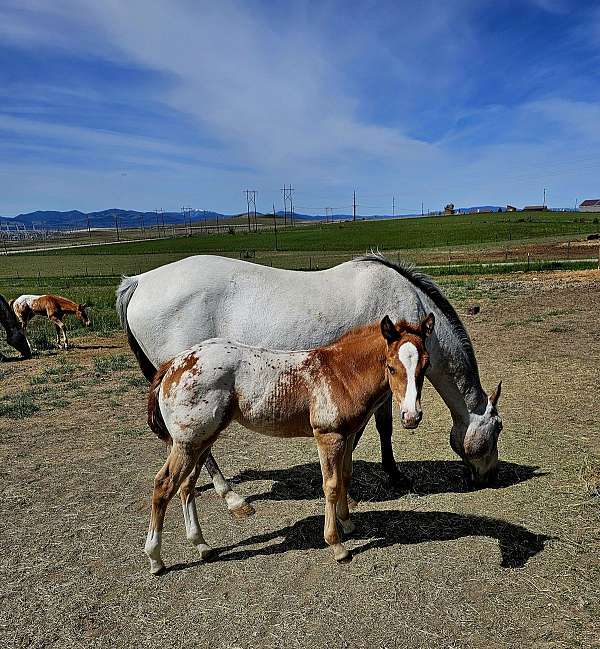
column 331, row 455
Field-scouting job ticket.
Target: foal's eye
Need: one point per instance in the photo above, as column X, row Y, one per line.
column 391, row 370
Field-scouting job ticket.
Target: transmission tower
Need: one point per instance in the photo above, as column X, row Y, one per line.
column 288, row 195
column 251, row 208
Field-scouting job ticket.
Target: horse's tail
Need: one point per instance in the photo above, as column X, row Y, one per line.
column 155, row 418
column 10, row 304
column 124, row 293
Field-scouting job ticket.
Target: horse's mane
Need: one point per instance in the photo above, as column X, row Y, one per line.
column 425, row 284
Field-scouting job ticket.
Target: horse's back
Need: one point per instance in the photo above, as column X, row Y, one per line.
column 180, row 304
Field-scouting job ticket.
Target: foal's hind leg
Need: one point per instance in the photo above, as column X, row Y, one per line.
column 190, row 514
column 236, row 505
column 179, row 464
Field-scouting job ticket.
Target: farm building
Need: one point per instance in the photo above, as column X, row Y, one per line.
column 511, row 208
column 449, row 209
column 535, row 208
column 590, row 205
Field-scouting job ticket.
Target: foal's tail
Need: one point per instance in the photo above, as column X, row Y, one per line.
column 155, row 418
column 10, row 304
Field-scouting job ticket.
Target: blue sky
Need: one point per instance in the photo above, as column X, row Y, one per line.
column 147, row 104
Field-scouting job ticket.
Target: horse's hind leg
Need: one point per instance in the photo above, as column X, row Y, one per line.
column 179, row 464
column 190, row 514
column 331, row 455
column 236, row 505
column 60, row 331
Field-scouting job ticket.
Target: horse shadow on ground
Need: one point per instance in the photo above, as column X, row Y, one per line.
column 383, row 529
column 370, row 482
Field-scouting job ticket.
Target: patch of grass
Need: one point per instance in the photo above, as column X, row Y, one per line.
column 589, row 476
column 18, row 406
column 130, row 432
column 41, row 339
column 136, row 381
column 56, row 374
column 109, row 364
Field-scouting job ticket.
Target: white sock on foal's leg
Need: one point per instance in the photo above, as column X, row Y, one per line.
column 236, row 505
column 152, row 550
column 192, row 529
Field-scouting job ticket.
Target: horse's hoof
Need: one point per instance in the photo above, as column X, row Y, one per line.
column 352, row 504
column 399, row 480
column 157, row 567
column 205, row 551
column 242, row 511
column 341, row 554
column 347, row 526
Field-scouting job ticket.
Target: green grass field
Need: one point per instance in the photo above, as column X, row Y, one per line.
column 396, row 234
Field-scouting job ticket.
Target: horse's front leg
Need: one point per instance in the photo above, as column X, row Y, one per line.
column 60, row 331
column 384, row 424
column 342, row 511
column 331, row 455
column 236, row 505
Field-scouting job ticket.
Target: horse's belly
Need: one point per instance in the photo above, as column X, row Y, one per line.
column 275, row 426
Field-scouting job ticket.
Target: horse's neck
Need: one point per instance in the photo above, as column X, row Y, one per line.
column 456, row 378
column 7, row 317
column 66, row 305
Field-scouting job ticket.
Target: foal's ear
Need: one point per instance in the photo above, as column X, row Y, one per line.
column 496, row 395
column 427, row 325
column 388, row 330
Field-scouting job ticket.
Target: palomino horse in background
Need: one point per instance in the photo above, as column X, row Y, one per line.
column 53, row 307
column 176, row 306
column 15, row 335
column 328, row 393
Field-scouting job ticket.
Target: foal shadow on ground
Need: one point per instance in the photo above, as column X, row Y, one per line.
column 382, row 529
column 370, row 482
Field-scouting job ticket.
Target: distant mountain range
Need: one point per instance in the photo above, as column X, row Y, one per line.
column 133, row 218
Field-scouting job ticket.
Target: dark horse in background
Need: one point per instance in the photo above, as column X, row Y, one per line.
column 15, row 336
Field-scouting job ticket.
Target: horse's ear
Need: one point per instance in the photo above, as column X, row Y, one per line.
column 388, row 330
column 496, row 395
column 427, row 325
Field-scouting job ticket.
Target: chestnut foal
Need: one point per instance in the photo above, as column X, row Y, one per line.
column 53, row 307
column 327, row 393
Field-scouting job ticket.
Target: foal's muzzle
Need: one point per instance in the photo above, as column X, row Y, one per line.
column 411, row 420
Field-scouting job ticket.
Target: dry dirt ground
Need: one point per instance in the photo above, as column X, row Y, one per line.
column 435, row 566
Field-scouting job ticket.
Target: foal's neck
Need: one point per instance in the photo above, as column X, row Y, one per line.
column 358, row 360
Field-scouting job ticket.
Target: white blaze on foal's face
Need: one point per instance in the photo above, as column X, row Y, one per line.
column 408, row 355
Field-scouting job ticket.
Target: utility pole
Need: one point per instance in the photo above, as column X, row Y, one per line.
column 287, row 196
column 354, row 206
column 88, row 226
column 275, row 225
column 421, row 208
column 393, row 206
column 251, row 207
column 116, row 215
column 142, row 221
column 544, row 203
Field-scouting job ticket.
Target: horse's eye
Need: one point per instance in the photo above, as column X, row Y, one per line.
column 391, row 370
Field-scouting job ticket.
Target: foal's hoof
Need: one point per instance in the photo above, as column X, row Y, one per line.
column 205, row 551
column 157, row 567
column 340, row 554
column 242, row 511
